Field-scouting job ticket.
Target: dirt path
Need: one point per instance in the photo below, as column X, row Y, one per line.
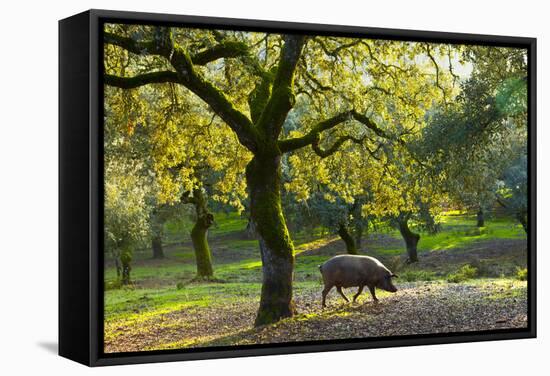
column 417, row 308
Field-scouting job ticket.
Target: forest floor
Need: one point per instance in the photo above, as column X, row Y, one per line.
column 163, row 309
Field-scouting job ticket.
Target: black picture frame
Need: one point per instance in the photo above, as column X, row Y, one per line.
column 81, row 195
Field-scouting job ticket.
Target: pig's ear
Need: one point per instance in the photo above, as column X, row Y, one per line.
column 395, row 275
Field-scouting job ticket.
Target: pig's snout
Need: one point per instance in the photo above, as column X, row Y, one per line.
column 389, row 286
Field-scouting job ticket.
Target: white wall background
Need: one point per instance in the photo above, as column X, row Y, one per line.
column 28, row 186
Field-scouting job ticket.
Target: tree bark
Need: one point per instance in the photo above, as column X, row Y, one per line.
column 351, row 248
column 358, row 236
column 199, row 234
column 358, row 221
column 263, row 175
column 250, row 229
column 157, row 220
column 118, row 267
column 411, row 238
column 125, row 260
column 480, row 218
column 156, row 245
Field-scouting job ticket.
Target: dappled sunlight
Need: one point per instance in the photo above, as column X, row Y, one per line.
column 237, row 162
column 315, row 244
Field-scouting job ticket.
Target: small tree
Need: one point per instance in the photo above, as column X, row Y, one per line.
column 203, row 221
column 335, row 214
column 126, row 217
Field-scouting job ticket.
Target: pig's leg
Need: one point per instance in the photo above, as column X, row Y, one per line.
column 339, row 289
column 358, row 293
column 325, row 292
column 372, row 290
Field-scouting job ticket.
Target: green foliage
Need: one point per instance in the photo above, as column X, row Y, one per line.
column 511, row 97
column 521, row 274
column 412, row 138
column 464, row 273
column 471, row 144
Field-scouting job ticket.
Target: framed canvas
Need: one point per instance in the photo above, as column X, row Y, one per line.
column 239, row 187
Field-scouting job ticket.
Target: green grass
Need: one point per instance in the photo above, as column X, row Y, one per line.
column 226, row 224
column 123, row 303
column 465, row 273
column 127, row 306
column 458, row 232
column 160, row 270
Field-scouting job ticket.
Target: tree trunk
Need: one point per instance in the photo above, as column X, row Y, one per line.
column 157, row 220
column 118, row 267
column 348, row 239
column 125, row 280
column 156, row 243
column 358, row 236
column 125, row 260
column 199, row 234
column 411, row 239
column 522, row 218
column 263, row 175
column 250, row 229
column 480, row 218
column 358, row 221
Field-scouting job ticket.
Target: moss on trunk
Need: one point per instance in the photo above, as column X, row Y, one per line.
column 156, row 244
column 351, row 247
column 125, row 260
column 411, row 238
column 199, row 235
column 264, row 183
column 480, row 218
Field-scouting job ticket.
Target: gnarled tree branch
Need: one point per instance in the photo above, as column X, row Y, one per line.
column 282, row 96
column 226, row 49
column 314, row 135
column 436, row 66
column 140, row 80
column 188, row 77
column 334, row 148
column 216, row 99
column 186, row 198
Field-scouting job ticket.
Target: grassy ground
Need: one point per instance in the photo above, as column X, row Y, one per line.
column 163, row 309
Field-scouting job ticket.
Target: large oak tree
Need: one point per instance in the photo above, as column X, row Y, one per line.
column 355, row 91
